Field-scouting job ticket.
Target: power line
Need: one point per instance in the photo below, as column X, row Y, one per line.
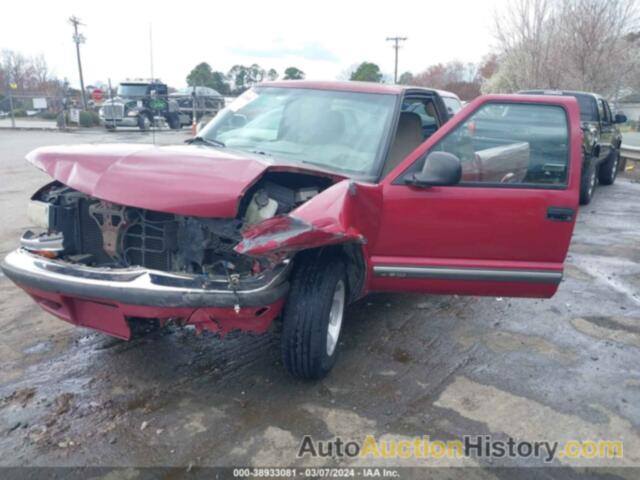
column 78, row 38
column 396, row 46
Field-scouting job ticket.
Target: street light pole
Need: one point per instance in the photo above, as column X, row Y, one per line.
column 396, row 46
column 78, row 38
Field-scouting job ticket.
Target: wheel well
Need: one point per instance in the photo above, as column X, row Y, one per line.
column 354, row 260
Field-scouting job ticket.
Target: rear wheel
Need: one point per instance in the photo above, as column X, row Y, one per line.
column 174, row 121
column 588, row 184
column 312, row 319
column 609, row 169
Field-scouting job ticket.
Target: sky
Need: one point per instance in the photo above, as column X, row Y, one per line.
column 324, row 39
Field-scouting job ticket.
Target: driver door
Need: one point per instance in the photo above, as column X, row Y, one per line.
column 504, row 229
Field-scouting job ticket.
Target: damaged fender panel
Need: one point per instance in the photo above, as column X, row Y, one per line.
column 345, row 212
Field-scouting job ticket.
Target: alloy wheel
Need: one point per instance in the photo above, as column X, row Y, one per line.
column 335, row 317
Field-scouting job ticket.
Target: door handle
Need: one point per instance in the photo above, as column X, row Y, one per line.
column 560, row 214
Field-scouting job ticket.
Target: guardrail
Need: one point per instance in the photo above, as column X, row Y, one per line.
column 630, row 152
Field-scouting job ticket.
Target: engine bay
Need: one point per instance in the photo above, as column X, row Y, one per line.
column 103, row 234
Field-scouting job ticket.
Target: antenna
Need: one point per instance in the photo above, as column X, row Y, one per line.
column 153, row 122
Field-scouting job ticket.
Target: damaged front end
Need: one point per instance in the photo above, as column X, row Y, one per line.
column 102, row 265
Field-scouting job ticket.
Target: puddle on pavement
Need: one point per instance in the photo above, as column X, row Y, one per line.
column 624, row 330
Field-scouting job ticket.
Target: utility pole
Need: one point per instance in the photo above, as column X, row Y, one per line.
column 78, row 38
column 396, row 46
column 13, row 118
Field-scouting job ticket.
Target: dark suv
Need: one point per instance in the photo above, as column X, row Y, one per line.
column 601, row 142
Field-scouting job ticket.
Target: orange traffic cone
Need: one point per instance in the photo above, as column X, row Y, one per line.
column 194, row 127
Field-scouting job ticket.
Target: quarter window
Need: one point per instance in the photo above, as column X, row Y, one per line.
column 511, row 144
column 601, row 111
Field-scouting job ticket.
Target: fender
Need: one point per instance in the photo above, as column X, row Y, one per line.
column 345, row 212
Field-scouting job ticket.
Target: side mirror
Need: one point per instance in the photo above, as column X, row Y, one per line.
column 620, row 118
column 440, row 169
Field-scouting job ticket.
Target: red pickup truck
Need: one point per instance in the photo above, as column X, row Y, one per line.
column 298, row 199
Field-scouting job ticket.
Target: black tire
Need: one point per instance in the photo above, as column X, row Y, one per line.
column 142, row 124
column 174, row 122
column 588, row 183
column 314, row 283
column 608, row 171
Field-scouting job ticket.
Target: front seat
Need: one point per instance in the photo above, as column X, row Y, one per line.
column 332, row 130
column 408, row 137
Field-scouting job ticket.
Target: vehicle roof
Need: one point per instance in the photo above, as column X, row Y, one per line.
column 560, row 92
column 350, row 86
column 142, row 82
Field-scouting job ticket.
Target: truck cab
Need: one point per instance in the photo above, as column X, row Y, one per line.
column 138, row 104
column 601, row 139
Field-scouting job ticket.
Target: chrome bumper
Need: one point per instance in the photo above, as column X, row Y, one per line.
column 121, row 122
column 141, row 286
column 42, row 243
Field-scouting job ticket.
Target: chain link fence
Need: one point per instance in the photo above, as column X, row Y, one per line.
column 33, row 110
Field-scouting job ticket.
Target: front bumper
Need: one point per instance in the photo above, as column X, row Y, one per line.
column 141, row 286
column 103, row 298
column 120, row 122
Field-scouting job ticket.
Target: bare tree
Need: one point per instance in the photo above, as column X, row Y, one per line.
column 17, row 68
column 526, row 31
column 30, row 74
column 40, row 70
column 594, row 37
column 578, row 44
column 463, row 79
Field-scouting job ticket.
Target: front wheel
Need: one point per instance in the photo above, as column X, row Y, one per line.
column 144, row 122
column 312, row 319
column 609, row 169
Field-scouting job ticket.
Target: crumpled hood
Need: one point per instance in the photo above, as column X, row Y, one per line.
column 184, row 179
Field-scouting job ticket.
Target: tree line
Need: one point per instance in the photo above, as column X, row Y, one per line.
column 588, row 45
column 27, row 74
column 238, row 79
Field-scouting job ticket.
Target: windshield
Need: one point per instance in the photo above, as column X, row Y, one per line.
column 340, row 131
column 587, row 103
column 132, row 90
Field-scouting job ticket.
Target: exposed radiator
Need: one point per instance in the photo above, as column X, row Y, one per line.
column 150, row 241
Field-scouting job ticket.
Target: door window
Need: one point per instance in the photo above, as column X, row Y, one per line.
column 426, row 110
column 453, row 105
column 509, row 144
column 606, row 117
